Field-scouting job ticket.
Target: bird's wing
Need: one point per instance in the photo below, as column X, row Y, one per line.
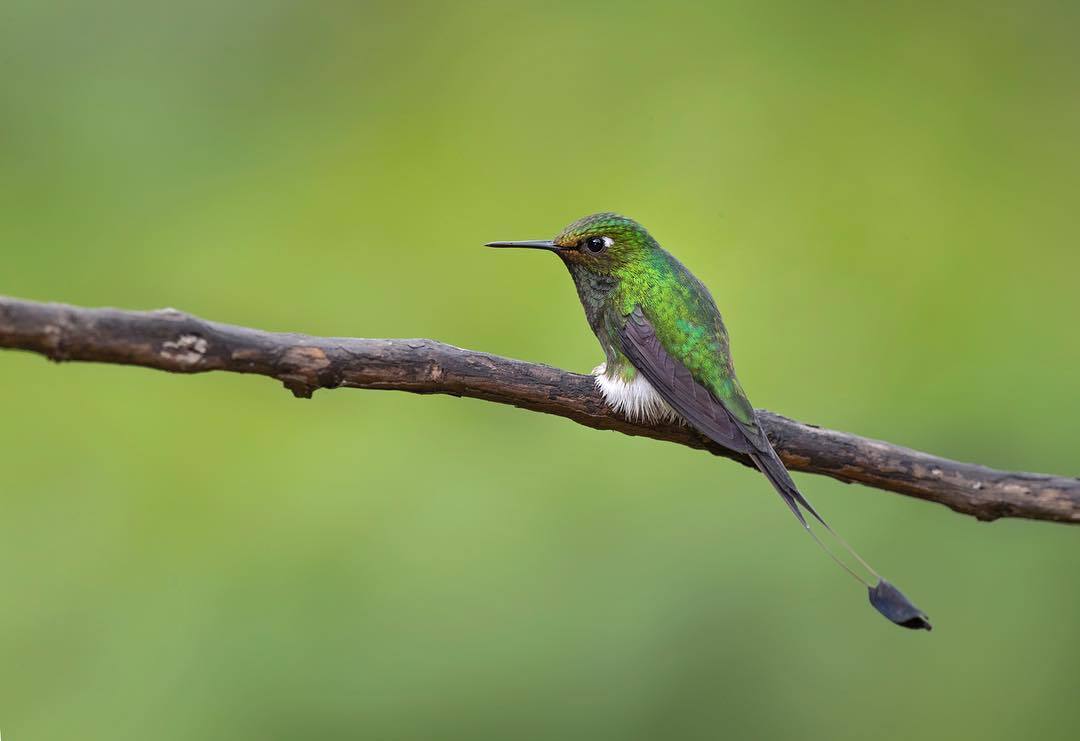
column 677, row 385
column 705, row 392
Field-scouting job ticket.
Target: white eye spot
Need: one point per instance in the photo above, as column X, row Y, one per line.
column 608, row 241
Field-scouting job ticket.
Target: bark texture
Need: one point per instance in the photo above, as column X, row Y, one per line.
column 172, row 341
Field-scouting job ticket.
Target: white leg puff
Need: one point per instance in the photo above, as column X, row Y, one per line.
column 636, row 399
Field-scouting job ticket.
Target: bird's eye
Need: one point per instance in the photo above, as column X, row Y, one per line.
column 596, row 245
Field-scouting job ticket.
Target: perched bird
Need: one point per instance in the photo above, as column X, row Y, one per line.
column 667, row 357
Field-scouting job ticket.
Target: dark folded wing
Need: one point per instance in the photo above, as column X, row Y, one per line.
column 677, row 386
column 703, row 410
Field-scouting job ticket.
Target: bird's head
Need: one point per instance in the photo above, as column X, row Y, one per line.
column 601, row 243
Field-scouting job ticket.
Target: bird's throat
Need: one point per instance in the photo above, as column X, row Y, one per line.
column 594, row 290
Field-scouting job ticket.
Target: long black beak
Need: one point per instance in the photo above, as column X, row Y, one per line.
column 533, row 244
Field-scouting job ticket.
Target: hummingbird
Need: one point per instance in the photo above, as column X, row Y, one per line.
column 667, row 358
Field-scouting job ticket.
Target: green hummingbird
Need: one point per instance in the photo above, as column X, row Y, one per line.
column 667, row 357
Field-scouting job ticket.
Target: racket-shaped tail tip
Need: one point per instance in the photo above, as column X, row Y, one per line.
column 891, row 602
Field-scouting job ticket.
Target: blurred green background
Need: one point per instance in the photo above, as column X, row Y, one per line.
column 883, row 200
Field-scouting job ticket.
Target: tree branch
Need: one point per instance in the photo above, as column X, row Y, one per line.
column 172, row 341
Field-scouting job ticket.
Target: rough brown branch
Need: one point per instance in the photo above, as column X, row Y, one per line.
column 172, row 341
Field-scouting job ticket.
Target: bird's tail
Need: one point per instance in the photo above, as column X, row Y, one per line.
column 886, row 599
